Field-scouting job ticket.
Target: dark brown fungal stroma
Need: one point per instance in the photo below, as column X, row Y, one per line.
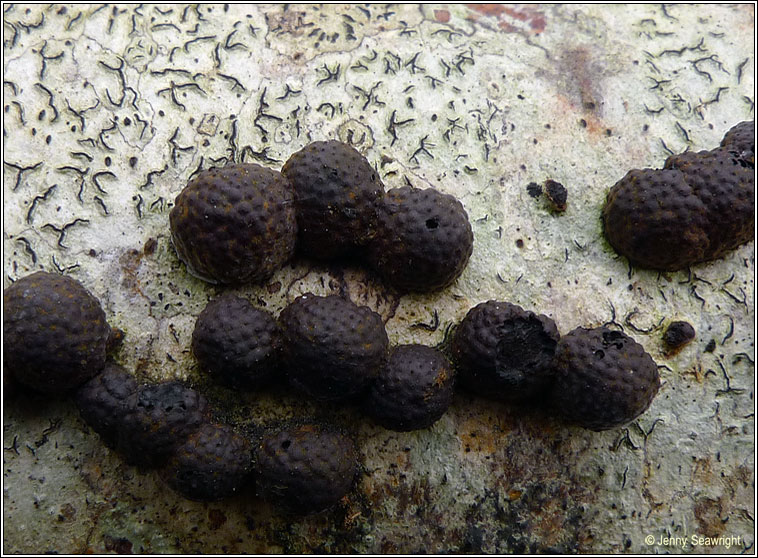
column 236, row 343
column 504, row 352
column 603, row 378
column 413, row 389
column 156, row 419
column 424, row 240
column 305, row 468
column 212, row 464
column 337, row 195
column 695, row 209
column 235, row 224
column 102, row 401
column 333, row 347
column 55, row 335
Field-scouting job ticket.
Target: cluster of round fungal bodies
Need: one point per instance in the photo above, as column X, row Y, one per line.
column 328, row 348
column 695, row 209
column 56, row 341
column 241, row 222
column 332, row 350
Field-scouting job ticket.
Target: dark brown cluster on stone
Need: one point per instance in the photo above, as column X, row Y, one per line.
column 696, row 209
column 241, row 222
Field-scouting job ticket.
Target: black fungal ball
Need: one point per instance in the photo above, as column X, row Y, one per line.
column 604, row 378
column 337, row 193
column 157, row 418
column 697, row 208
column 55, row 334
column 238, row 344
column 556, row 195
column 413, row 389
column 534, row 189
column 213, row 463
column 504, row 352
column 235, row 224
column 424, row 240
column 333, row 347
column 102, row 401
column 740, row 141
column 305, row 469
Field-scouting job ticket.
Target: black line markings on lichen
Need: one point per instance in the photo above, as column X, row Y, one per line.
column 235, row 82
column 332, row 74
column 62, row 230
column 369, row 96
column 431, row 326
column 45, row 58
column 38, row 199
column 101, row 135
column 62, row 269
column 289, row 91
column 49, row 100
column 28, row 248
column 140, row 203
column 21, row 170
column 175, row 147
column 261, row 114
column 422, row 148
column 96, row 177
column 151, row 175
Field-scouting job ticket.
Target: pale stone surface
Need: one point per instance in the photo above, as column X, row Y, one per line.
column 109, row 110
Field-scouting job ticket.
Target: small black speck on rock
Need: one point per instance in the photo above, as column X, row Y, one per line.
column 677, row 335
column 556, row 195
column 534, row 189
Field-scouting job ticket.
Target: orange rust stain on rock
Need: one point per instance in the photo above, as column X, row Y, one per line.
column 535, row 19
column 478, row 436
column 586, row 120
column 702, row 472
column 521, row 16
column 443, row 16
column 507, row 27
column 538, row 23
column 487, row 9
column 709, row 515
